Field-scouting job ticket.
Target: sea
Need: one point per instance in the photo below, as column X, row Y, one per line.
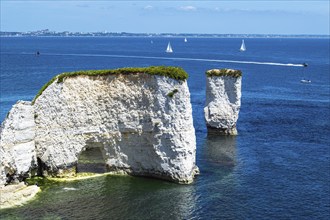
column 277, row 167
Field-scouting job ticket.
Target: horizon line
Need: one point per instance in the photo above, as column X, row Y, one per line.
column 157, row 33
column 46, row 31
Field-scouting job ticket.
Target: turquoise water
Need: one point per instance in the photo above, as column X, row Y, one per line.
column 276, row 168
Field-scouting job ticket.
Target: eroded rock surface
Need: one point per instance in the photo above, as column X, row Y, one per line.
column 141, row 130
column 141, row 122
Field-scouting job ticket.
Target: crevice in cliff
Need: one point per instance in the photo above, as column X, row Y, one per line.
column 41, row 167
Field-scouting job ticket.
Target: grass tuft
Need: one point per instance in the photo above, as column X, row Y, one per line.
column 43, row 88
column 168, row 71
column 224, row 72
column 171, row 94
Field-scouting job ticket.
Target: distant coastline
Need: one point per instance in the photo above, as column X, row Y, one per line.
column 48, row 33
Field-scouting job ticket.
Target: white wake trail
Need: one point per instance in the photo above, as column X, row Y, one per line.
column 178, row 59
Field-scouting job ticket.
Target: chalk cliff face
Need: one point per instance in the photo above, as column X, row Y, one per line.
column 17, row 146
column 223, row 100
column 140, row 128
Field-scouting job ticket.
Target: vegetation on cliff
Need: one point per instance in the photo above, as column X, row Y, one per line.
column 224, row 72
column 171, row 94
column 168, row 71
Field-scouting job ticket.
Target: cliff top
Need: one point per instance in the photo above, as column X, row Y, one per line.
column 169, row 71
column 224, row 72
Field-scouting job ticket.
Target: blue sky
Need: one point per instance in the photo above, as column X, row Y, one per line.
column 220, row 17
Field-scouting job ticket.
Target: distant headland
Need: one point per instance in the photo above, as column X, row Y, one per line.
column 49, row 33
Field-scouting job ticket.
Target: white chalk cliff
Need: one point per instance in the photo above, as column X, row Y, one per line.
column 141, row 129
column 17, row 145
column 223, row 100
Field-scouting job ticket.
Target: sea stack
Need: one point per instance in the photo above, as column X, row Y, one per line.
column 140, row 118
column 223, row 100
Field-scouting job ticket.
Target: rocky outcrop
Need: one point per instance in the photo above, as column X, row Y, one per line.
column 141, row 121
column 223, row 100
column 17, row 145
column 16, row 194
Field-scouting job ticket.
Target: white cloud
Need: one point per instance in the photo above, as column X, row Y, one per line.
column 188, row 8
column 83, row 6
column 148, row 7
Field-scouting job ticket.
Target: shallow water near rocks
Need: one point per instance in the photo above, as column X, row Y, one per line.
column 276, row 168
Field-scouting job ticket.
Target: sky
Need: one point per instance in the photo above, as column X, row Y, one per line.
column 218, row 17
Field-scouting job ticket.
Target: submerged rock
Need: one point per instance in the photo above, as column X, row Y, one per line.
column 223, row 100
column 16, row 194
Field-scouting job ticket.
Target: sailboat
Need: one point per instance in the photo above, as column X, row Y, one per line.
column 169, row 48
column 243, row 48
column 185, row 40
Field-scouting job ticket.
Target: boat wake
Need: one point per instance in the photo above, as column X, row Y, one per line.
column 176, row 59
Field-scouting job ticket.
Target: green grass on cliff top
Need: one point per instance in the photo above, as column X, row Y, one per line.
column 224, row 72
column 169, row 71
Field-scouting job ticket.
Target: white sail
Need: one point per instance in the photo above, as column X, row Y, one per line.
column 169, row 48
column 243, row 48
column 185, row 40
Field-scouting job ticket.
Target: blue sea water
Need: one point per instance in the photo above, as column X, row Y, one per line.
column 278, row 167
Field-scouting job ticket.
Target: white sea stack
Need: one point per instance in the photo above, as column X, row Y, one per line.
column 17, row 145
column 223, row 100
column 143, row 124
